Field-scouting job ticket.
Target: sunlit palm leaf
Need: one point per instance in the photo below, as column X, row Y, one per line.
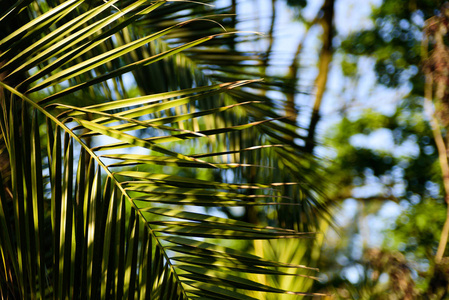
column 73, row 227
column 228, row 63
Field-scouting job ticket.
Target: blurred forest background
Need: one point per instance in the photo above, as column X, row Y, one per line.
column 372, row 77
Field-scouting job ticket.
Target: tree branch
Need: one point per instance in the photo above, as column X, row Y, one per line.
column 323, row 70
column 439, row 141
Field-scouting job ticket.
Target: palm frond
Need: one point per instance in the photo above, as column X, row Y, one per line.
column 227, row 63
column 75, row 226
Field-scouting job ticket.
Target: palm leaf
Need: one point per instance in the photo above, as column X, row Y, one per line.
column 74, row 227
column 209, row 63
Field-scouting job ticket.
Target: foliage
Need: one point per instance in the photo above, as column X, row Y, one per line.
column 402, row 166
column 84, row 211
column 394, row 41
column 404, row 152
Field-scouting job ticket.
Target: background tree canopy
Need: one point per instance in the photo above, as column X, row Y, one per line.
column 165, row 150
